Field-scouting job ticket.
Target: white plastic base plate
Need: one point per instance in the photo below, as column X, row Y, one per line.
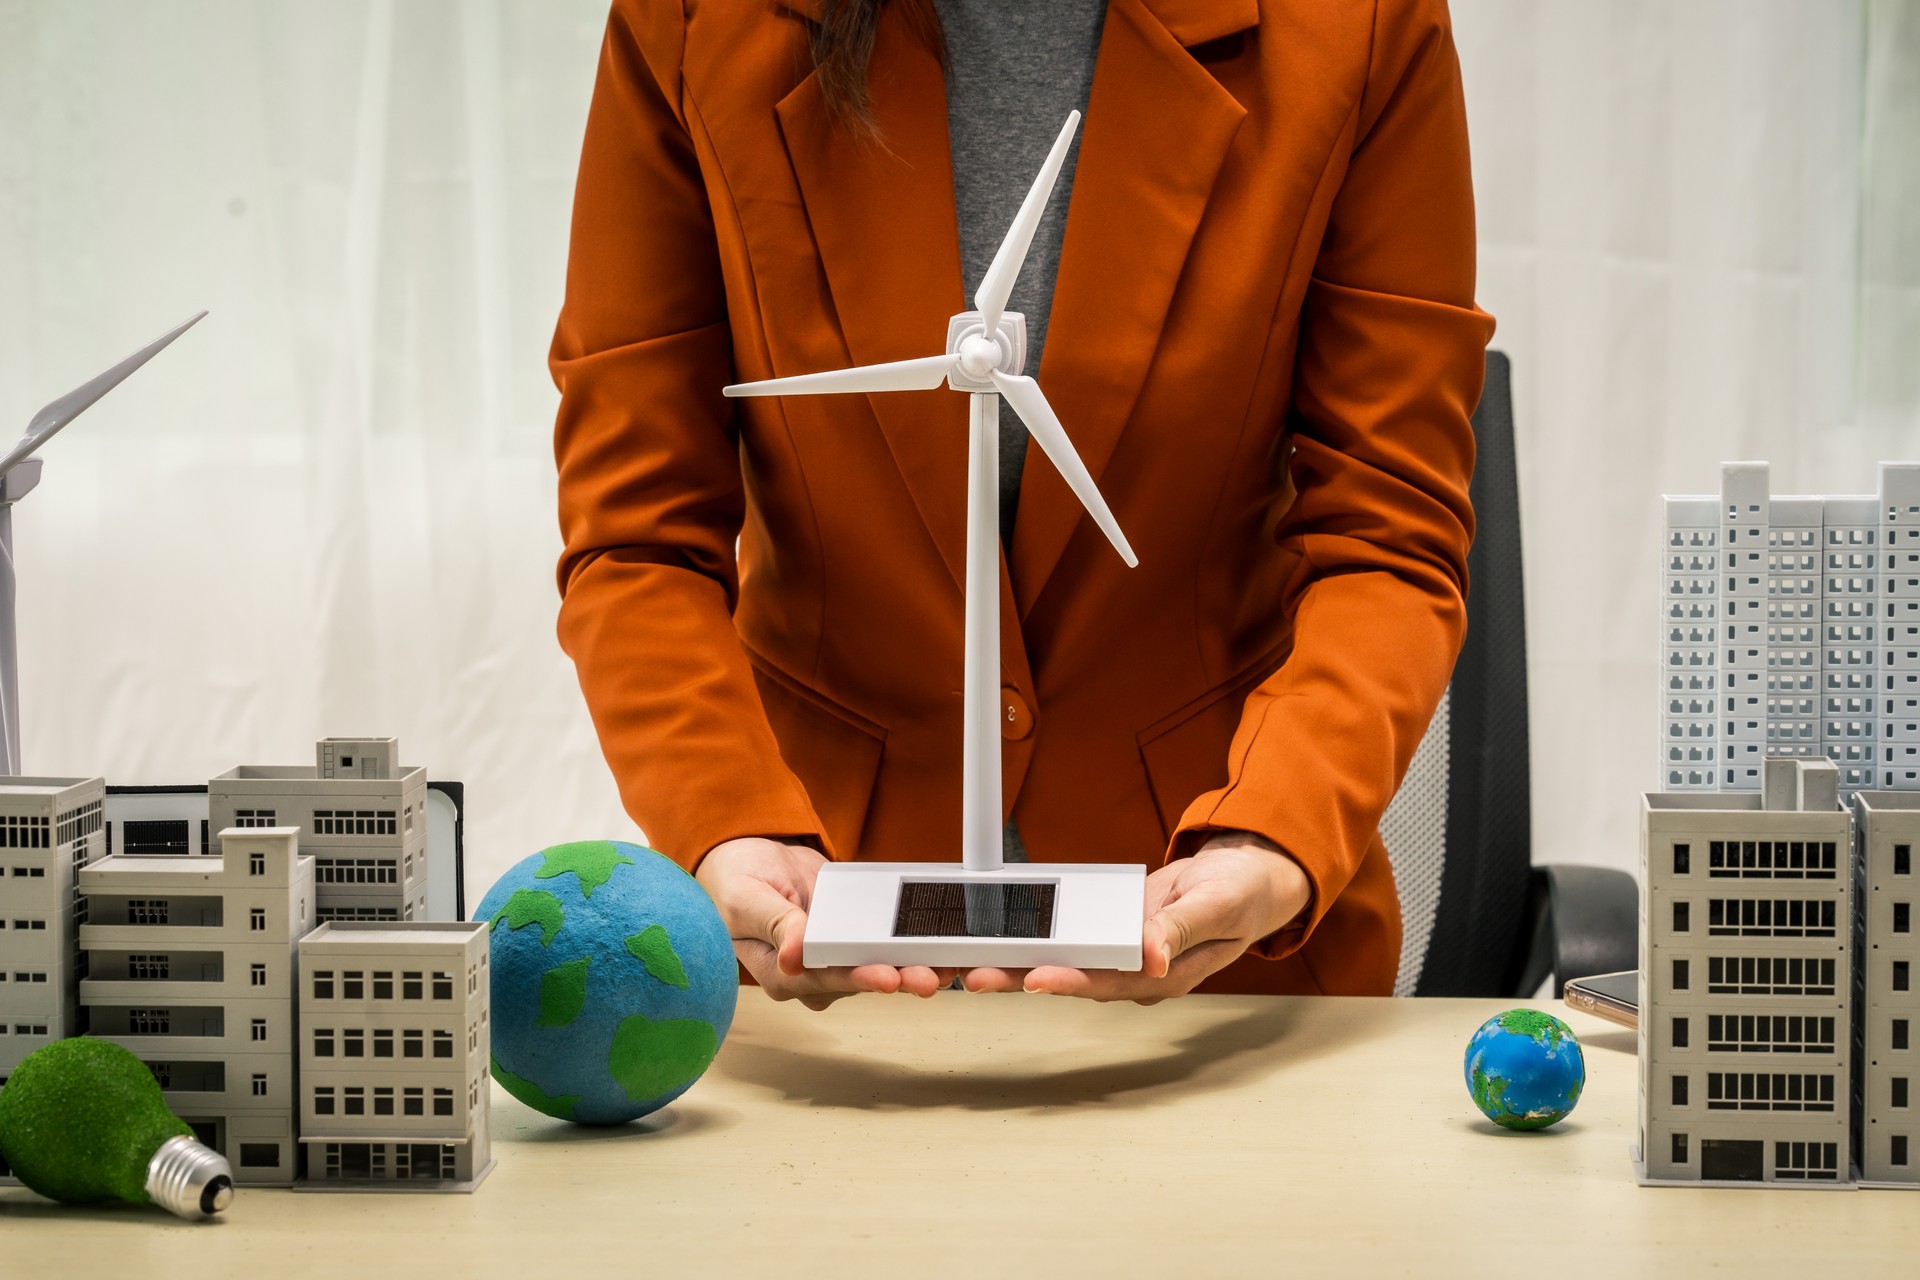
column 1086, row 916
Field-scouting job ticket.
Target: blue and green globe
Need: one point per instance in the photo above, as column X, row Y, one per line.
column 613, row 981
column 1525, row 1069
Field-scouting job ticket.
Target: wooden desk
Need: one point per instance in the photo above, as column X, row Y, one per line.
column 989, row 1136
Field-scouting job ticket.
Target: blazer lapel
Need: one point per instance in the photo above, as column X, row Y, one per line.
column 1157, row 131
column 883, row 222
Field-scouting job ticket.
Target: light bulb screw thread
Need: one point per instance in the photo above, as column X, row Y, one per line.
column 188, row 1179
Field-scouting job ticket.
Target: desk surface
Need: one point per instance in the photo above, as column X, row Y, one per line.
column 1014, row 1135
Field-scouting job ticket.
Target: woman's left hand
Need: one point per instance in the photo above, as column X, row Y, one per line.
column 1202, row 913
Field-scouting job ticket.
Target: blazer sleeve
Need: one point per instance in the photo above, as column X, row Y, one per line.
column 651, row 496
column 1390, row 361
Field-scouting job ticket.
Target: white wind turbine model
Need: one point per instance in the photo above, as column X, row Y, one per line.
column 19, row 473
column 981, row 912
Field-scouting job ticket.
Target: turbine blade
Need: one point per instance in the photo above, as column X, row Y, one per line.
column 58, row 414
column 899, row 375
column 1024, row 394
column 997, row 285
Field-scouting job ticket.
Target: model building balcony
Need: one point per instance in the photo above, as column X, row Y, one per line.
column 115, row 922
column 157, row 1030
column 139, row 977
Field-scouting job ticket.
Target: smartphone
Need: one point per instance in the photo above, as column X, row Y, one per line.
column 1613, row 996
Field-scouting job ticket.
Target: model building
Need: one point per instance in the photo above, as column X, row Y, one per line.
column 1886, row 831
column 394, row 1059
column 1790, row 626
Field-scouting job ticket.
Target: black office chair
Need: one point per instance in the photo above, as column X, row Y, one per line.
column 1481, row 920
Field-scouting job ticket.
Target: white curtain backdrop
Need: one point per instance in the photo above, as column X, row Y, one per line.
column 329, row 509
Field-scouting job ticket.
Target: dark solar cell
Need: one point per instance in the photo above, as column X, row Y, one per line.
column 970, row 909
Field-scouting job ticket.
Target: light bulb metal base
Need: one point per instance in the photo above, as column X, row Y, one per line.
column 188, row 1179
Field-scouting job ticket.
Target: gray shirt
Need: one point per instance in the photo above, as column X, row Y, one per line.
column 1015, row 68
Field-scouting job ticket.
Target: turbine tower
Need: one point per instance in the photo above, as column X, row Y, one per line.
column 19, row 473
column 985, row 355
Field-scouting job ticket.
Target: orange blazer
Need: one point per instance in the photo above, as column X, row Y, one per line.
column 1263, row 342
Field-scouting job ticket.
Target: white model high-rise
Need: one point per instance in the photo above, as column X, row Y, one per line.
column 1791, row 627
column 395, row 1053
column 191, row 967
column 362, row 818
column 1087, row 914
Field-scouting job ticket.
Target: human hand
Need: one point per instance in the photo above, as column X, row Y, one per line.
column 1202, row 913
column 763, row 889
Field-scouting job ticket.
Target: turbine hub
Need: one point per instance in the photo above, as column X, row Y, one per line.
column 979, row 355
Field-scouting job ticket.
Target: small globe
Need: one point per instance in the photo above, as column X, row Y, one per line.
column 1525, row 1069
column 613, row 981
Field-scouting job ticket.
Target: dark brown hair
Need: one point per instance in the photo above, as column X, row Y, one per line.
column 842, row 45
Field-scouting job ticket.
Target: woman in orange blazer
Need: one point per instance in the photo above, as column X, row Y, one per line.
column 1263, row 342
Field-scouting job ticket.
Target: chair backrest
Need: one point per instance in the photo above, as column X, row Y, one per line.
column 1459, row 833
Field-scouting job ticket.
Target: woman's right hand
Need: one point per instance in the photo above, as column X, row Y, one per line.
column 763, row 889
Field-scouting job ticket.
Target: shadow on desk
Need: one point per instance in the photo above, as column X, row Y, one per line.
column 807, row 1062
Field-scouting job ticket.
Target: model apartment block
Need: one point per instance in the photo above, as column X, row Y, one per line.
column 48, row 828
column 361, row 816
column 191, row 967
column 1790, row 626
column 1887, row 1007
column 1765, row 916
column 394, row 1053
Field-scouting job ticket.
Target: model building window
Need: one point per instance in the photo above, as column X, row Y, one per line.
column 1899, row 1091
column 443, row 986
column 149, row 968
column 383, row 1102
column 1682, row 859
column 1679, row 975
column 383, row 986
column 259, row 1029
column 254, row 818
column 1809, row 1160
column 353, row 985
column 353, row 1043
column 412, row 1044
column 146, row 910
column 1680, row 923
column 355, row 822
column 443, row 1102
column 258, row 976
column 1679, row 1033
column 413, row 1102
column 256, row 864
column 1901, row 970
column 323, row 1042
column 1903, row 917
column 1680, row 1091
column 257, row 920
column 383, row 1044
column 1897, row 1152
column 1903, row 859
column 323, row 984
column 149, row 1022
column 355, row 1098
column 1899, row 1033
column 323, row 1100
column 1679, row 1151
column 443, row 1044
column 259, row 1085
column 411, row 987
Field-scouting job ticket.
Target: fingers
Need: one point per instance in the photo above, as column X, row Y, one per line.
column 1187, row 972
column 995, row 980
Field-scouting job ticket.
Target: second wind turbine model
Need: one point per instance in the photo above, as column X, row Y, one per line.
column 981, row 912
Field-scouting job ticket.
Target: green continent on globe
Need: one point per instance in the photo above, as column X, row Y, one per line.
column 563, row 992
column 654, row 949
column 650, row 1058
column 532, row 906
column 1541, row 1028
column 593, row 861
column 561, row 1107
column 1489, row 1092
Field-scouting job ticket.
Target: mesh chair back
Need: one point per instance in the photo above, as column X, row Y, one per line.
column 1459, row 833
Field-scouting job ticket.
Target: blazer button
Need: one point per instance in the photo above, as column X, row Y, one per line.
column 1016, row 718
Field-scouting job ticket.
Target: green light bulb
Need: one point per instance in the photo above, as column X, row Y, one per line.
column 83, row 1120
